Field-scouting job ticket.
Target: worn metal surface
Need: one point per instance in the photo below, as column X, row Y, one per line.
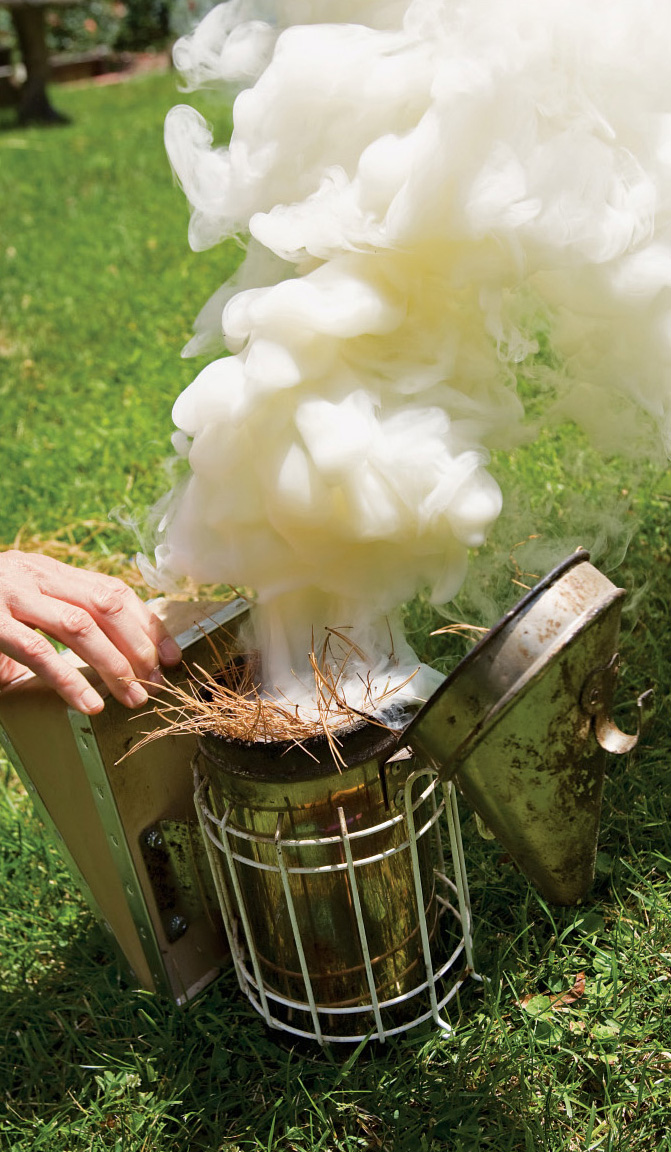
column 512, row 728
column 305, row 815
column 105, row 801
column 179, row 874
column 597, row 701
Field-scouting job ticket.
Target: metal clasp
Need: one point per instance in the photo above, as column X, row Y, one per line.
column 596, row 699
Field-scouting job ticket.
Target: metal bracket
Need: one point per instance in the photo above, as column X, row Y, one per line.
column 596, row 699
column 101, row 790
column 179, row 874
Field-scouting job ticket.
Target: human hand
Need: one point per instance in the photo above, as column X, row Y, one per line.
column 97, row 616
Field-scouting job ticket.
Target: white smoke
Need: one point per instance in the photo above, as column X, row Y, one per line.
column 425, row 185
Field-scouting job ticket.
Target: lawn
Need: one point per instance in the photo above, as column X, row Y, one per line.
column 98, row 291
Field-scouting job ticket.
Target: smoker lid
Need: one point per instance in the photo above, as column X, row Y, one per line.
column 551, row 615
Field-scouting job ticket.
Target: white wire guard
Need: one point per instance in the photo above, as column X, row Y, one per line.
column 221, row 837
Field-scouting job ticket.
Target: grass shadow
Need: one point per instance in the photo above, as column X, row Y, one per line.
column 80, row 1046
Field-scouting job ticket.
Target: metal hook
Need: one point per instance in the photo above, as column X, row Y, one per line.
column 596, row 699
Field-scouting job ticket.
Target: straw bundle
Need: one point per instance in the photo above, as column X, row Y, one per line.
column 230, row 702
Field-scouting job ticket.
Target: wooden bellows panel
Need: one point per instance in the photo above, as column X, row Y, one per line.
column 127, row 827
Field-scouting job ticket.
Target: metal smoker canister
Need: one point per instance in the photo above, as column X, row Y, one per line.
column 327, row 881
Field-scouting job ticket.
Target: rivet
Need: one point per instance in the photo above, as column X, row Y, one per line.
column 153, row 838
column 176, row 927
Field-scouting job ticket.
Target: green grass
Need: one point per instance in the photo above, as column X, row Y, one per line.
column 97, row 294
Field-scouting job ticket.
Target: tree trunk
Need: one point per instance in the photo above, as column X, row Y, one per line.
column 34, row 106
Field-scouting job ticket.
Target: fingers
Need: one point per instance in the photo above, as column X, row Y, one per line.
column 76, row 628
column 97, row 616
column 169, row 651
column 10, row 670
column 138, row 634
column 30, row 650
column 133, row 630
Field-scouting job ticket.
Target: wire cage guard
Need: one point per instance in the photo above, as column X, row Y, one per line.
column 433, row 945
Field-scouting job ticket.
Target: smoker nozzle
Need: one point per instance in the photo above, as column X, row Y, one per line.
column 523, row 723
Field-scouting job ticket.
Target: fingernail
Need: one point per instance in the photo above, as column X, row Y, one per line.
column 156, row 676
column 169, row 651
column 136, row 695
column 91, row 701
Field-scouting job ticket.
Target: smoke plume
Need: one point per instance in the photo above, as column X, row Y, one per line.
column 424, row 187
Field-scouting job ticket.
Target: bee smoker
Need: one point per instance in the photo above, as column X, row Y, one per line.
column 336, row 890
column 340, row 896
